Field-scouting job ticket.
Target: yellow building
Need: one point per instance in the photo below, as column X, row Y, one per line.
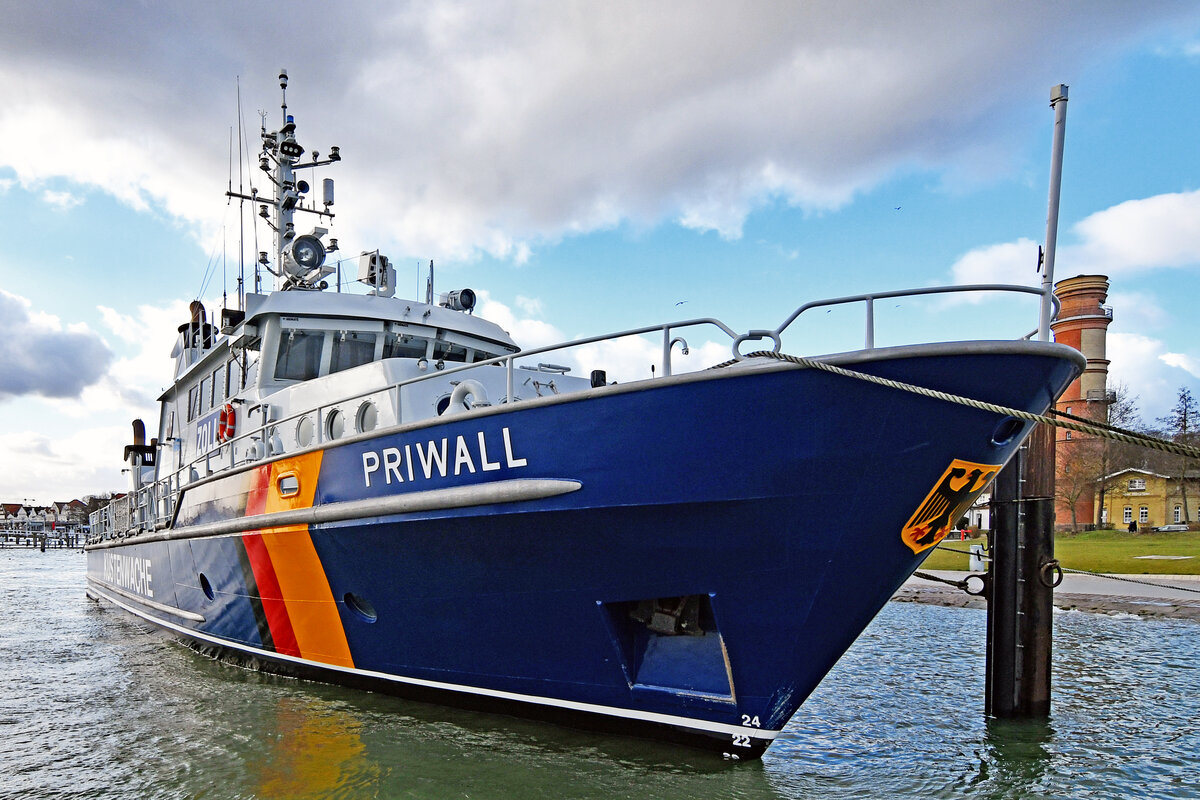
column 1147, row 498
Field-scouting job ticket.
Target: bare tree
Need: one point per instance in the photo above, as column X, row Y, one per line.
column 1078, row 468
column 1121, row 411
column 1182, row 423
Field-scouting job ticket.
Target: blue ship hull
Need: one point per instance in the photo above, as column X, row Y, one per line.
column 685, row 558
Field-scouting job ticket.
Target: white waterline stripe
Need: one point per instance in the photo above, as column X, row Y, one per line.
column 572, row 705
column 166, row 609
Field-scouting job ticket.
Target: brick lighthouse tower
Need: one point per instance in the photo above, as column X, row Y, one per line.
column 1082, row 323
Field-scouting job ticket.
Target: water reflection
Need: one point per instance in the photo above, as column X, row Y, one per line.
column 118, row 712
column 1016, row 760
column 312, row 750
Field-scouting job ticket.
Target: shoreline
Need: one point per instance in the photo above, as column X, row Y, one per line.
column 1174, row 596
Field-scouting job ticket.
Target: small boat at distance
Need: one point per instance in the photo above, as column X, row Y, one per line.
column 392, row 494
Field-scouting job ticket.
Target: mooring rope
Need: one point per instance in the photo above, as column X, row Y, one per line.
column 1131, row 580
column 985, row 557
column 929, row 577
column 982, row 556
column 1059, row 420
column 1070, row 422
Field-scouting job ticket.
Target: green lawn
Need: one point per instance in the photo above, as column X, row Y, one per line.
column 1101, row 551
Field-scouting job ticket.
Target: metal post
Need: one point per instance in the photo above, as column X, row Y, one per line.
column 666, row 357
column 870, row 342
column 1020, row 587
column 1058, row 102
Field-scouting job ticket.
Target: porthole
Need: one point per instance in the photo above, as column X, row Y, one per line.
column 1006, row 431
column 335, row 424
column 367, row 417
column 304, row 431
column 442, row 404
column 360, row 606
column 206, row 587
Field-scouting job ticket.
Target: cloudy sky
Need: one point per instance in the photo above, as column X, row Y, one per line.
column 585, row 167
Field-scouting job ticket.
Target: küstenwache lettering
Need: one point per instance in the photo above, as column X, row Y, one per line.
column 128, row 572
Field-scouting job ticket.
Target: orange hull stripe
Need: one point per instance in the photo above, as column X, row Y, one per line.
column 311, row 607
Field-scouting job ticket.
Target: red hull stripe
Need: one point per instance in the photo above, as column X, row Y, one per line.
column 273, row 604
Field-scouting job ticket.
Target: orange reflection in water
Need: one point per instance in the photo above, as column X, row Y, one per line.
column 312, row 750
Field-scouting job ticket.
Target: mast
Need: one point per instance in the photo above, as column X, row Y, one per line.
column 299, row 258
column 1058, row 102
column 241, row 281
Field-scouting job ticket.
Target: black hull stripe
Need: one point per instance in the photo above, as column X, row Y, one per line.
column 260, row 614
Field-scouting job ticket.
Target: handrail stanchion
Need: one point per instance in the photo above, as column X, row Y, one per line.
column 870, row 322
column 666, row 358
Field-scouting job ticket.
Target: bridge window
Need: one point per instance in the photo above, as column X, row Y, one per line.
column 403, row 346
column 193, row 403
column 218, row 385
column 299, row 355
column 233, row 380
column 351, row 349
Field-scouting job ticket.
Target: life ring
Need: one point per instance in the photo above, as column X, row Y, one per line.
column 226, row 424
column 458, row 398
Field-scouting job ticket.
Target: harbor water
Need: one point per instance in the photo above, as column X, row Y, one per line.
column 94, row 705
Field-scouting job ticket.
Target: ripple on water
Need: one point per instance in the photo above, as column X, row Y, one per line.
column 98, row 707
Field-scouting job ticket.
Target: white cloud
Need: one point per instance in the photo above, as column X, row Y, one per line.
column 530, row 305
column 1152, row 233
column 137, row 378
column 1183, row 361
column 633, row 358
column 1138, row 311
column 72, row 463
column 1011, row 262
column 1159, row 232
column 63, row 201
column 507, row 125
column 37, row 357
column 1151, row 373
column 626, row 359
column 527, row 332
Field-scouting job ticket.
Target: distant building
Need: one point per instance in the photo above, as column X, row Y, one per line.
column 57, row 516
column 1147, row 498
column 979, row 515
column 1082, row 323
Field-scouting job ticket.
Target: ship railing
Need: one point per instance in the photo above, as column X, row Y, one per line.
column 147, row 508
column 258, row 442
column 869, row 301
column 112, row 520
